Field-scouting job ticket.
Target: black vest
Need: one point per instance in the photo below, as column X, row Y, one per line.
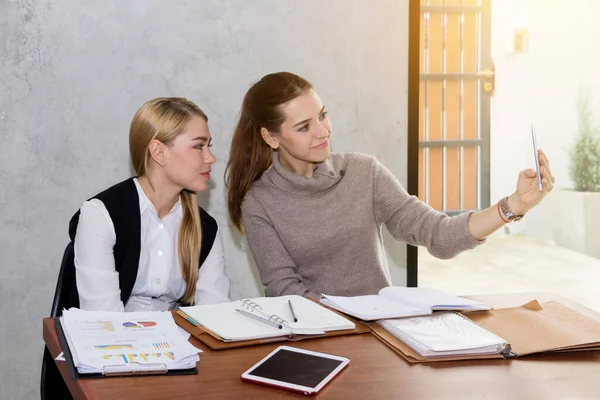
column 123, row 205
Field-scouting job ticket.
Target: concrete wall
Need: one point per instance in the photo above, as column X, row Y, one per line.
column 73, row 73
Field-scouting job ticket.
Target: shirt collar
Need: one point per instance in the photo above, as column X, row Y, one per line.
column 145, row 202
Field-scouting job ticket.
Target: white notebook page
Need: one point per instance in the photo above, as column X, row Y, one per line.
column 430, row 298
column 444, row 334
column 226, row 322
column 372, row 307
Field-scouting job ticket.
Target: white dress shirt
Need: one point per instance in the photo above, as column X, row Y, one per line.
column 159, row 283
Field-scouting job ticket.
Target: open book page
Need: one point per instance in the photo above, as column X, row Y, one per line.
column 431, row 299
column 444, row 334
column 225, row 321
column 372, row 307
column 115, row 341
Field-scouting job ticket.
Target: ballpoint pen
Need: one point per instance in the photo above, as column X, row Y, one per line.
column 261, row 319
column 292, row 310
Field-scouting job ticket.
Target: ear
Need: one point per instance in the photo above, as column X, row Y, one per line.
column 269, row 138
column 158, row 151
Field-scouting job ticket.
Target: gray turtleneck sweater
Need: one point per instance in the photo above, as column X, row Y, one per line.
column 322, row 234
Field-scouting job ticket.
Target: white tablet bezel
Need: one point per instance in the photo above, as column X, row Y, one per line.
column 246, row 376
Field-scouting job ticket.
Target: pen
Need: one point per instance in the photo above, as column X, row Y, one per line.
column 292, row 310
column 261, row 319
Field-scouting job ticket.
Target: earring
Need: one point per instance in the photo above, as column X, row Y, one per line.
column 162, row 162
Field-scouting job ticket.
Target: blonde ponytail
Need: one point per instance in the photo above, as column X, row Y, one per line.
column 188, row 246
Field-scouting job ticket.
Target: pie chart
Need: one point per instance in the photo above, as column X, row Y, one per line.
column 139, row 324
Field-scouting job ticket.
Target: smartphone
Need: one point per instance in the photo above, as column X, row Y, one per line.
column 537, row 159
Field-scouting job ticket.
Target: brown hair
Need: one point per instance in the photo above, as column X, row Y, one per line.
column 163, row 119
column 250, row 156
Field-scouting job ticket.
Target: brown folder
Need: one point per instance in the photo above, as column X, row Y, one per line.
column 216, row 343
column 531, row 328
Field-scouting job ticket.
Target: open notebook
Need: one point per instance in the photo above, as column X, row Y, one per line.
column 498, row 333
column 399, row 302
column 229, row 324
column 117, row 343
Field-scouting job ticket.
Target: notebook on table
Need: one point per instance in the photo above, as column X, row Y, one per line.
column 399, row 302
column 502, row 333
column 445, row 334
column 228, row 325
column 98, row 343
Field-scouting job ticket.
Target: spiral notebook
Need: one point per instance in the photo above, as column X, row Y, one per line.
column 445, row 334
column 271, row 317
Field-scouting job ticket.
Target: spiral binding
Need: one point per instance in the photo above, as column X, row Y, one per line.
column 253, row 307
column 505, row 349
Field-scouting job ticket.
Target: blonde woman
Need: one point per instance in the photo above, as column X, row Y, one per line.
column 144, row 244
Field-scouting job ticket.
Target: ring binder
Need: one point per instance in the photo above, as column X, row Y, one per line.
column 229, row 325
column 259, row 318
column 252, row 306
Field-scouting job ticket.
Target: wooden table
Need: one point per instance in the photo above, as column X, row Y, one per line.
column 374, row 372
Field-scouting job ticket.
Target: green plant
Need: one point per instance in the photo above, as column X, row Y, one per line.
column 584, row 168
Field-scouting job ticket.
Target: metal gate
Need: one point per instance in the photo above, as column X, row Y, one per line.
column 456, row 83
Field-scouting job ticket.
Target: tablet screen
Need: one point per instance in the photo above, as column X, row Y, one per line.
column 296, row 368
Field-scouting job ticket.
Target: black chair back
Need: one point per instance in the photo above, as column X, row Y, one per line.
column 52, row 385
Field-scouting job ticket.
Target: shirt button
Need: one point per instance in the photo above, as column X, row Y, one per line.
column 160, row 226
column 157, row 280
column 331, row 173
column 159, row 253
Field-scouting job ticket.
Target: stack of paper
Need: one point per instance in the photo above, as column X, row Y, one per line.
column 399, row 302
column 113, row 342
column 444, row 335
